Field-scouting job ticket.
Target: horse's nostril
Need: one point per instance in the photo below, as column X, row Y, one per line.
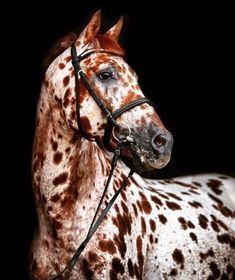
column 159, row 140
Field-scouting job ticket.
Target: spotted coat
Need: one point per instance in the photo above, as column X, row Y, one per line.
column 181, row 228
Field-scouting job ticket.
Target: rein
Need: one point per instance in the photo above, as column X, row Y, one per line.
column 96, row 223
column 111, row 124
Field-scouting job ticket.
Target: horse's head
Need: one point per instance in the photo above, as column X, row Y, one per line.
column 97, row 62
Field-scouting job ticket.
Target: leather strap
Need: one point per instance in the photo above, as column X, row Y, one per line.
column 96, row 223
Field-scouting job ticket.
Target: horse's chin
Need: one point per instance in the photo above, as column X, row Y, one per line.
column 144, row 161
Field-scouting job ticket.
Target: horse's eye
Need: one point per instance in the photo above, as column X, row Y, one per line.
column 105, row 75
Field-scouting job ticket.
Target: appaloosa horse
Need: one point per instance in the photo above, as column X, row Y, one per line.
column 181, row 228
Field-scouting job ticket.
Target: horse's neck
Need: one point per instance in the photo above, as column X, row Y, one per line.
column 68, row 171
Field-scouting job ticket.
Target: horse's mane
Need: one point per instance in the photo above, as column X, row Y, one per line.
column 65, row 42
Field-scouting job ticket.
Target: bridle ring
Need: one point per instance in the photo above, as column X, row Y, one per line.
column 126, row 137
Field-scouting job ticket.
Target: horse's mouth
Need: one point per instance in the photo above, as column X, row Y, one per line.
column 146, row 159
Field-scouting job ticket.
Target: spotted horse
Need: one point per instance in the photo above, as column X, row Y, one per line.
column 90, row 107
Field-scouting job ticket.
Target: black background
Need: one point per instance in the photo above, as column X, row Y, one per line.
column 182, row 54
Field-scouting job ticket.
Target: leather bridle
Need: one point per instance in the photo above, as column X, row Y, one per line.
column 111, row 116
column 110, row 125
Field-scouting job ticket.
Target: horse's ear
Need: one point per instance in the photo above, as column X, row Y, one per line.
column 114, row 32
column 91, row 29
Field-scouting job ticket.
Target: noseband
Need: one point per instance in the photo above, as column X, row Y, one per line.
column 111, row 116
column 111, row 123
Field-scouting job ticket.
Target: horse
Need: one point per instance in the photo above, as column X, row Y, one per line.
column 91, row 115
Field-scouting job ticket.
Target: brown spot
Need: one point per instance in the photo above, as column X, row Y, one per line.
column 145, row 204
column 123, row 223
column 182, row 184
column 229, row 269
column 117, row 266
column 225, row 211
column 173, row 272
column 190, row 224
column 143, row 226
column 61, row 179
column 135, row 210
column 215, row 270
column 107, row 246
column 140, row 254
column 87, row 61
column 209, row 253
column 215, row 226
column 113, row 275
column 54, row 145
column 139, row 205
column 156, row 200
column 225, row 238
column 151, row 238
column 195, row 204
column 85, row 124
column 162, row 219
column 193, row 236
column 68, row 58
column 192, row 191
column 124, row 207
column 123, row 195
column 46, row 83
column 197, row 183
column 57, row 157
column 61, row 65
column 203, row 221
column 178, row 257
column 92, row 257
column 143, row 106
column 54, row 232
column 185, row 193
column 215, row 198
column 173, row 205
column 214, row 185
column 72, row 115
column 222, row 224
column 120, row 242
column 152, row 225
column 66, row 81
column 57, row 224
column 66, row 97
column 224, row 277
column 130, row 268
column 55, row 198
column 163, row 196
column 183, row 223
column 174, row 196
column 86, row 270
column 67, row 150
column 49, row 208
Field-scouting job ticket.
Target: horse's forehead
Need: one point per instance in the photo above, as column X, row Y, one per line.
column 97, row 61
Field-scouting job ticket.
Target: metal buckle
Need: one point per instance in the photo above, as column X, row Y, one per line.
column 128, row 138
